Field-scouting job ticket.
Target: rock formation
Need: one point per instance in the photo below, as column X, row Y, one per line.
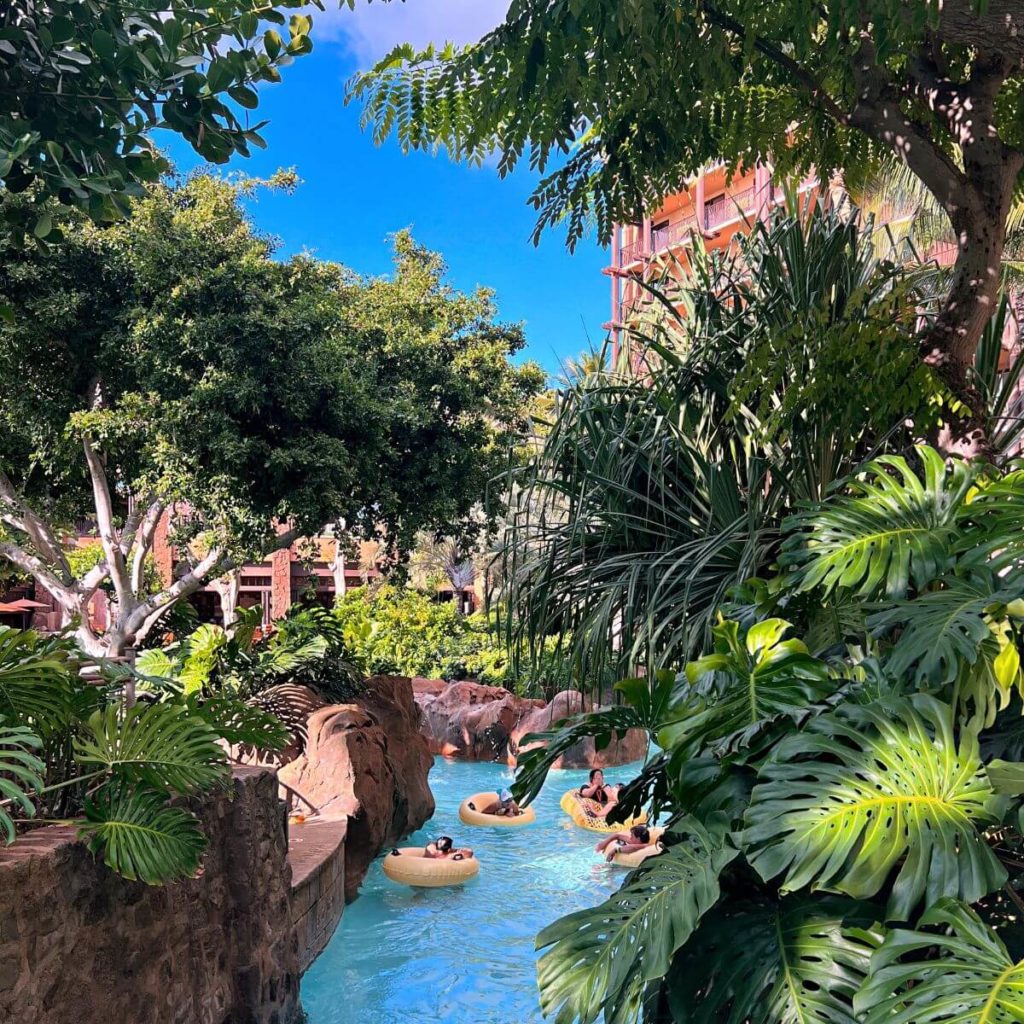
column 622, row 749
column 488, row 723
column 366, row 761
column 469, row 719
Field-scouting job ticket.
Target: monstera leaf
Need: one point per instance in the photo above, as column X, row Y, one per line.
column 942, row 630
column 757, row 679
column 867, row 790
column 890, row 529
column 35, row 683
column 240, row 722
column 162, row 745
column 140, row 837
column 20, row 771
column 600, row 960
column 972, row 980
column 796, row 961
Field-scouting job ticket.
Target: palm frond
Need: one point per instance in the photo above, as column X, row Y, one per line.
column 35, row 683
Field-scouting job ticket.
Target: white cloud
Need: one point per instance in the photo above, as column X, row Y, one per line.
column 372, row 29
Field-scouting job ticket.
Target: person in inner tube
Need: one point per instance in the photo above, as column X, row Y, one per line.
column 443, row 848
column 637, row 838
column 504, row 806
column 601, row 793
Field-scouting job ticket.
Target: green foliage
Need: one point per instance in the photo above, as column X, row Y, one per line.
column 868, row 789
column 798, row 960
column 140, row 837
column 21, row 770
column 83, row 84
column 33, row 679
column 651, row 497
column 162, row 746
column 972, row 979
column 642, row 95
column 755, row 679
column 590, row 969
column 395, row 629
column 247, row 391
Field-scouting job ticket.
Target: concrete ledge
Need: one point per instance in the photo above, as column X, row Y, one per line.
column 316, row 853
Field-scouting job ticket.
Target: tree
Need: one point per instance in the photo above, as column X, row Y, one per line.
column 618, row 103
column 84, row 82
column 168, row 365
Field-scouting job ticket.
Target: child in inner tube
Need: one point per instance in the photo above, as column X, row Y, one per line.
column 596, row 789
column 637, row 838
column 442, row 848
column 504, row 806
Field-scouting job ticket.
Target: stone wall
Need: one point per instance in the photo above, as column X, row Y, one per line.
column 80, row 945
column 316, row 852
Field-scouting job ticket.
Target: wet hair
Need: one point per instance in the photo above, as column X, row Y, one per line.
column 595, row 771
column 443, row 843
column 641, row 832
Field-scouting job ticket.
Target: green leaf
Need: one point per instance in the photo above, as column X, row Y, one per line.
column 757, row 679
column 868, row 790
column 942, row 630
column 140, row 837
column 219, row 75
column 599, row 961
column 890, row 530
column 533, row 765
column 35, row 684
column 20, row 770
column 1006, row 777
column 103, row 43
column 798, row 961
column 162, row 745
column 240, row 722
column 244, row 96
column 972, row 980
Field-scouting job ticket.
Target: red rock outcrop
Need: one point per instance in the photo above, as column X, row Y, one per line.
column 470, row 720
column 367, row 761
column 622, row 749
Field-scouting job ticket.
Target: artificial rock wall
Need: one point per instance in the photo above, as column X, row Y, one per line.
column 80, row 945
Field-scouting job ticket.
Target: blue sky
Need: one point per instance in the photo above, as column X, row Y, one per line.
column 354, row 194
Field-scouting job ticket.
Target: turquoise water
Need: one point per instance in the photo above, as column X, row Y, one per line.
column 462, row 955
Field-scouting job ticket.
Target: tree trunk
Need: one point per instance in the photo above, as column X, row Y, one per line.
column 228, row 588
column 950, row 343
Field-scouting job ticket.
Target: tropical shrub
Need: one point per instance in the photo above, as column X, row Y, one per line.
column 392, row 629
column 838, row 773
column 780, row 368
column 84, row 753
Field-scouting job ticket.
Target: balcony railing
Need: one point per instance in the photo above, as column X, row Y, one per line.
column 631, row 252
column 674, row 234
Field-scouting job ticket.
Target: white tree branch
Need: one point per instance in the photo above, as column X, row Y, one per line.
column 143, row 543
column 108, row 535
column 41, row 573
column 39, row 533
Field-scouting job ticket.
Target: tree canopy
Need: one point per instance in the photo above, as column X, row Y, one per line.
column 83, row 82
column 616, row 104
column 193, row 369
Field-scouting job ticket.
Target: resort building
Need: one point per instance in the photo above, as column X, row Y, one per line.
column 715, row 209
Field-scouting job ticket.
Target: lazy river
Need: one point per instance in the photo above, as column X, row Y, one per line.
column 462, row 955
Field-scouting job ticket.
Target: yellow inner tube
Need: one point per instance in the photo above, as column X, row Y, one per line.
column 409, row 866
column 584, row 812
column 470, row 813
column 637, row 857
